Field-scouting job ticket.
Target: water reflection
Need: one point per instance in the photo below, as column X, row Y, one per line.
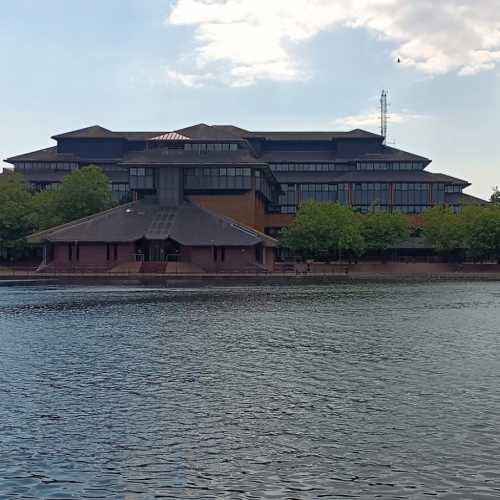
column 357, row 391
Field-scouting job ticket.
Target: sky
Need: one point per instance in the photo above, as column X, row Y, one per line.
column 261, row 65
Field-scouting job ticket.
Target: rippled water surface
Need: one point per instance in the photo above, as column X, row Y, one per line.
column 339, row 391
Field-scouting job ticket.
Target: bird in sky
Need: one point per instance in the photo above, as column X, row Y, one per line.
column 399, row 60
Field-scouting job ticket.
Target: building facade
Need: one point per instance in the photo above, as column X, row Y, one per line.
column 257, row 179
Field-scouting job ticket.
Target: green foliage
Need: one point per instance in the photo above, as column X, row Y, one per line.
column 495, row 196
column 444, row 228
column 324, row 228
column 15, row 209
column 482, row 231
column 44, row 210
column 382, row 230
column 83, row 192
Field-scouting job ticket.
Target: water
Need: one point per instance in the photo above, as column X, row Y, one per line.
column 342, row 391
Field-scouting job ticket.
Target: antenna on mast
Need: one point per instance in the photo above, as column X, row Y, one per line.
column 383, row 115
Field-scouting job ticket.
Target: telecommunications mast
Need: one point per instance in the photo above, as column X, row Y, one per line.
column 383, row 115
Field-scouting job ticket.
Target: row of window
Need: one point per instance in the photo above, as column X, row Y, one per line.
column 309, row 167
column 393, row 165
column 454, row 188
column 45, row 186
column 209, row 148
column 405, row 209
column 321, row 187
column 46, row 165
column 343, row 167
column 364, row 193
column 366, row 186
column 218, row 172
column 141, row 171
column 217, row 182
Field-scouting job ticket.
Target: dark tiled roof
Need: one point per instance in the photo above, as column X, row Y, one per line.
column 94, row 132
column 232, row 130
column 313, row 136
column 47, row 154
column 98, row 132
column 174, row 157
column 140, row 136
column 188, row 224
column 392, row 154
column 464, row 199
column 203, row 131
column 365, row 176
column 386, row 154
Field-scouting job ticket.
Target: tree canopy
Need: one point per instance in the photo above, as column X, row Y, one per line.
column 81, row 193
column 324, row 229
column 495, row 196
column 16, row 215
column 444, row 228
column 381, row 230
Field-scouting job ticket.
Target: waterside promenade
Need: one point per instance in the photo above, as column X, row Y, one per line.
column 303, row 274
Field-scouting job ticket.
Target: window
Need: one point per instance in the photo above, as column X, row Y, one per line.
column 218, row 178
column 215, row 253
column 389, row 165
column 453, row 188
column 371, row 194
column 309, row 167
column 412, row 194
column 141, row 178
column 202, row 148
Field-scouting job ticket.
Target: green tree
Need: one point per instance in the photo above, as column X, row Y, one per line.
column 445, row 230
column 482, row 231
column 15, row 210
column 44, row 210
column 383, row 229
column 495, row 196
column 83, row 192
column 324, row 229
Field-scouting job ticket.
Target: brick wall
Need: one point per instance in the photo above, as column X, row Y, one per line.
column 92, row 256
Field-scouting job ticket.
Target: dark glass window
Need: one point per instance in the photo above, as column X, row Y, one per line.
column 141, row 178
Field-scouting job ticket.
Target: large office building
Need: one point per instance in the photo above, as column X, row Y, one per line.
column 252, row 180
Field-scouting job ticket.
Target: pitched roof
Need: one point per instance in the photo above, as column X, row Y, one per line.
column 386, row 154
column 170, row 136
column 366, row 176
column 313, row 136
column 392, row 154
column 46, row 154
column 202, row 131
column 165, row 156
column 98, row 132
column 95, row 132
column 188, row 224
column 464, row 199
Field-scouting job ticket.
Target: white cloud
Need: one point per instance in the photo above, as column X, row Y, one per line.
column 371, row 120
column 192, row 80
column 250, row 40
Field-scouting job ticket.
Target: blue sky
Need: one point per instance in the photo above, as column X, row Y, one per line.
column 274, row 64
